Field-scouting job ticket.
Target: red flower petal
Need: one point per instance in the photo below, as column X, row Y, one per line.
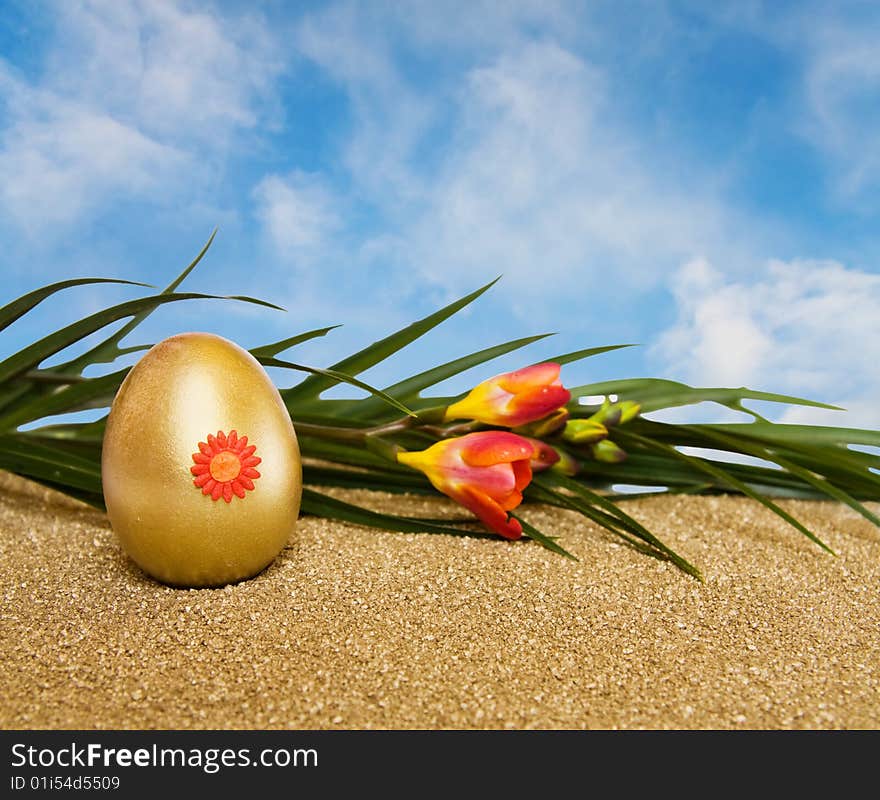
column 217, row 491
column 511, row 501
column 529, row 377
column 209, row 486
column 245, row 481
column 249, row 472
column 532, row 405
column 203, row 479
column 487, row 448
column 522, row 475
column 246, row 452
column 206, row 449
column 238, row 488
column 227, row 492
column 251, row 462
column 490, row 512
column 232, row 440
column 199, row 469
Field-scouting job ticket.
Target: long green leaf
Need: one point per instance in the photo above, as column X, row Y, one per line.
column 33, row 355
column 21, row 305
column 779, row 432
column 346, row 478
column 325, row 506
column 108, row 350
column 46, row 463
column 654, row 394
column 849, row 468
column 272, row 350
column 555, row 480
column 409, row 388
column 89, row 393
column 724, row 475
column 542, row 494
column 589, row 352
column 806, row 475
column 313, row 386
column 542, row 539
column 338, row 377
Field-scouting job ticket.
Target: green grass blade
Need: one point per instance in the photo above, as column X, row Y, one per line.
column 344, row 453
column 191, row 266
column 845, row 468
column 313, row 386
column 19, row 307
column 552, row 480
column 345, row 478
column 108, row 351
column 817, row 434
column 322, row 505
column 848, row 468
column 806, row 475
column 272, row 350
column 542, row 539
column 580, row 355
column 81, row 432
column 723, row 475
column 34, row 354
column 337, row 377
column 47, row 463
column 88, row 393
column 410, row 388
column 654, row 394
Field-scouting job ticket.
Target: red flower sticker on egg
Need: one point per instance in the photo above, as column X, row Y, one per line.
column 224, row 466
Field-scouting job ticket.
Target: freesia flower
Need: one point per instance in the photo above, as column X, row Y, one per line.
column 486, row 472
column 514, row 398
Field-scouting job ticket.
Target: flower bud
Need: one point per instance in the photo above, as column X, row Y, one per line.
column 514, row 398
column 584, row 431
column 486, row 472
column 607, row 452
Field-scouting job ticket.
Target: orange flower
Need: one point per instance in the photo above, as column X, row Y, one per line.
column 486, row 472
column 225, row 466
column 514, row 398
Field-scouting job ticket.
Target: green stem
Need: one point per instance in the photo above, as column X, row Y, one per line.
column 352, row 434
column 445, row 431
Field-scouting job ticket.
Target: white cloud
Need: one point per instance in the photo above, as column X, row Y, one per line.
column 806, row 328
column 833, row 65
column 540, row 181
column 842, row 87
column 59, row 159
column 297, row 213
column 137, row 99
column 178, row 71
column 533, row 178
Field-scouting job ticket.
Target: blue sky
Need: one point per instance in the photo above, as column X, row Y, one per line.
column 700, row 178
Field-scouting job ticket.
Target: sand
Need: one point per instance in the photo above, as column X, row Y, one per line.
column 356, row 628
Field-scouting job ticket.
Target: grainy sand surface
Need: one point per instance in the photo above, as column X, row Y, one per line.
column 358, row 628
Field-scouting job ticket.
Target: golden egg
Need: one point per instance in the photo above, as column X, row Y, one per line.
column 200, row 466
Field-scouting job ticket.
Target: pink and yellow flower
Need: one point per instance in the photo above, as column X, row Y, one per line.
column 514, row 398
column 486, row 472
